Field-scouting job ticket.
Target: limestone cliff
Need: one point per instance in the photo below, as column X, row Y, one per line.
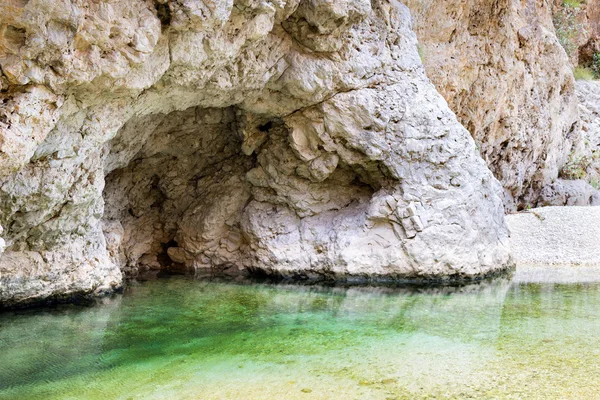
column 590, row 43
column 297, row 138
column 586, row 163
column 502, row 69
column 579, row 178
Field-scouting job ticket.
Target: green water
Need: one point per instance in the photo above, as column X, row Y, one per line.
column 180, row 338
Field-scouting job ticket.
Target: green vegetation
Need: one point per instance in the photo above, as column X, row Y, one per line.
column 584, row 74
column 568, row 29
column 421, row 53
column 596, row 65
column 572, row 3
column 590, row 72
column 577, row 166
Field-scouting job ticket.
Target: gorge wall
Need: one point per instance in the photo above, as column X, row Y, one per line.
column 294, row 138
column 587, row 162
column 504, row 72
column 577, row 26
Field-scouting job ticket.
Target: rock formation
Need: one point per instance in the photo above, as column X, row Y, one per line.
column 586, row 163
column 502, row 69
column 285, row 137
column 591, row 41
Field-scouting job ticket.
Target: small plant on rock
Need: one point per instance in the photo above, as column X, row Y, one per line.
column 421, row 53
column 585, row 74
column 596, row 65
column 576, row 167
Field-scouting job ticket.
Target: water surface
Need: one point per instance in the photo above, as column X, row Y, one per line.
column 181, row 338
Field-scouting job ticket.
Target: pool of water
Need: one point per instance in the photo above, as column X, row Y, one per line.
column 180, row 338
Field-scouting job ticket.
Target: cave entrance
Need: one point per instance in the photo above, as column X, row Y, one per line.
column 177, row 186
column 175, row 189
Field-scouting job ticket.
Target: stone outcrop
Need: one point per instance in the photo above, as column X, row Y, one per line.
column 591, row 43
column 586, row 162
column 288, row 138
column 500, row 66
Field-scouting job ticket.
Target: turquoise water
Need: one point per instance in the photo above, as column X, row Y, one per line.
column 180, row 338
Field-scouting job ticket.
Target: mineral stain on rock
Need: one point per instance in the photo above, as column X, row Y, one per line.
column 163, row 12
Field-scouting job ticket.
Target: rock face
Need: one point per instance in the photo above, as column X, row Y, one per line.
column 586, row 162
column 291, row 138
column 500, row 66
column 591, row 22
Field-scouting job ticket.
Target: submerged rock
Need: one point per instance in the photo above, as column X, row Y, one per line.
column 291, row 138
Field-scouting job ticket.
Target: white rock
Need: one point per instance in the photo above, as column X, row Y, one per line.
column 157, row 143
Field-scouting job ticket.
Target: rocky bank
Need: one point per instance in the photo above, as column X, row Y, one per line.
column 556, row 236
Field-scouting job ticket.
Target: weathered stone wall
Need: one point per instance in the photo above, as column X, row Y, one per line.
column 577, row 25
column 586, row 162
column 504, row 73
column 293, row 138
column 591, row 21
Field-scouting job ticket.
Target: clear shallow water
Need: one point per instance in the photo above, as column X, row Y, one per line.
column 179, row 338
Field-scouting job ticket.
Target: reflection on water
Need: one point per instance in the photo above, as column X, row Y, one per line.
column 183, row 338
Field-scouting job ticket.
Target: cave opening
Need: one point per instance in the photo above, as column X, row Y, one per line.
column 177, row 185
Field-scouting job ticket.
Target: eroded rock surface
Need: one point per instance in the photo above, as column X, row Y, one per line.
column 581, row 174
column 586, row 162
column 292, row 138
column 500, row 66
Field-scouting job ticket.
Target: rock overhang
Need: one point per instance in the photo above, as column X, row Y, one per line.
column 273, row 137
